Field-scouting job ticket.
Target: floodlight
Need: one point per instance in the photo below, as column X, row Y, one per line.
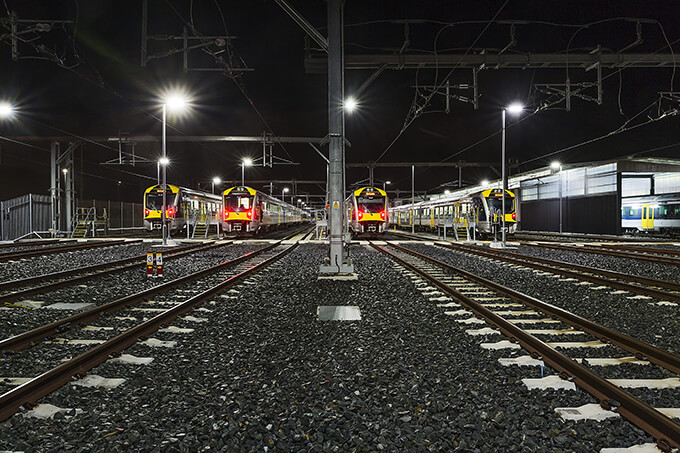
column 350, row 104
column 164, row 161
column 247, row 161
column 6, row 110
column 216, row 180
column 556, row 165
column 175, row 102
column 515, row 108
column 285, row 189
column 485, row 182
column 446, row 192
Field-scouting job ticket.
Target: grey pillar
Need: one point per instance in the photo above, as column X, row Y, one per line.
column 413, row 199
column 338, row 261
column 54, row 202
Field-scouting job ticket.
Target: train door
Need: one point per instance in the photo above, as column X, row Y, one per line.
column 432, row 212
column 647, row 217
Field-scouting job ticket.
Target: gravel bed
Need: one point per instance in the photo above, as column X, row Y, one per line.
column 263, row 374
column 39, row 265
column 113, row 286
column 617, row 264
column 23, row 246
column 638, row 318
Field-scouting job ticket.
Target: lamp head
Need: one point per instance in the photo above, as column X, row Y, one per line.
column 6, row 110
column 175, row 102
column 285, row 189
column 485, row 182
column 247, row 162
column 216, row 180
column 350, row 104
column 556, row 165
column 164, row 161
column 515, row 108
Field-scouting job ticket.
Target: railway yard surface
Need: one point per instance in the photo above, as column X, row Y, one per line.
column 232, row 350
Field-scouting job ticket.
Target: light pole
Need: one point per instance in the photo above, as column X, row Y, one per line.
column 558, row 166
column 247, row 162
column 515, row 109
column 385, row 184
column 215, row 181
column 285, row 189
column 175, row 102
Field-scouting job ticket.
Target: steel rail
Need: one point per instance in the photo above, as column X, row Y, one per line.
column 641, row 349
column 11, row 284
column 20, row 294
column 601, row 251
column 662, row 428
column 556, row 267
column 34, row 242
column 601, row 238
column 30, row 392
column 69, row 248
column 33, row 336
column 642, row 249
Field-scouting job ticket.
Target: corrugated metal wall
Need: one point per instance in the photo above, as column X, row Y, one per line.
column 597, row 214
column 22, row 215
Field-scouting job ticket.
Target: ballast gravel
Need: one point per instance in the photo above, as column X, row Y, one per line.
column 110, row 287
column 263, row 374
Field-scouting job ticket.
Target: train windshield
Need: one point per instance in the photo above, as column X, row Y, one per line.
column 496, row 204
column 154, row 200
column 371, row 204
column 238, row 203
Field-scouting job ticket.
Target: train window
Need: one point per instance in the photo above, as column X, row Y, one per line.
column 235, row 203
column 371, row 204
column 154, row 200
column 496, row 204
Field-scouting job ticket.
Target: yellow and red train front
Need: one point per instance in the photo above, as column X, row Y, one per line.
column 240, row 210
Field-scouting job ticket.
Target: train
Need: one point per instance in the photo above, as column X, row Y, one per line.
column 185, row 207
column 480, row 213
column 366, row 210
column 246, row 210
column 651, row 214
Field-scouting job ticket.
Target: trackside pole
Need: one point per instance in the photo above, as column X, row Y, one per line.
column 339, row 262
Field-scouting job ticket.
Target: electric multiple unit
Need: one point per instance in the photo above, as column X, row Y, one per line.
column 478, row 211
column 184, row 207
column 246, row 210
column 654, row 213
column 367, row 211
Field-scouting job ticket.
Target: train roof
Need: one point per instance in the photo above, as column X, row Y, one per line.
column 253, row 192
column 369, row 191
column 185, row 190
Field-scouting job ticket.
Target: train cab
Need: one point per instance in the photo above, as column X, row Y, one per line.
column 153, row 202
column 367, row 210
column 241, row 209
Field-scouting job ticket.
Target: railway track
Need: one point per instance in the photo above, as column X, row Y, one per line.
column 80, row 275
column 7, row 256
column 587, row 237
column 35, row 242
column 660, row 289
column 597, row 250
column 193, row 289
column 505, row 310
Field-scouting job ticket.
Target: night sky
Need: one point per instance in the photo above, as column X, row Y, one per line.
column 98, row 87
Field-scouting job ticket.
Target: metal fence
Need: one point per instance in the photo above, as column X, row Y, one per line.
column 31, row 215
column 23, row 215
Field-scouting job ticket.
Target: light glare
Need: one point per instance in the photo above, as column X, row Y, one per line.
column 285, row 189
column 555, row 165
column 216, row 180
column 6, row 110
column 350, row 104
column 176, row 102
column 515, row 108
column 164, row 161
column 247, row 162
column 485, row 182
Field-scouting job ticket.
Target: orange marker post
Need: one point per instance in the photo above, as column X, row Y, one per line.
column 149, row 264
column 159, row 264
